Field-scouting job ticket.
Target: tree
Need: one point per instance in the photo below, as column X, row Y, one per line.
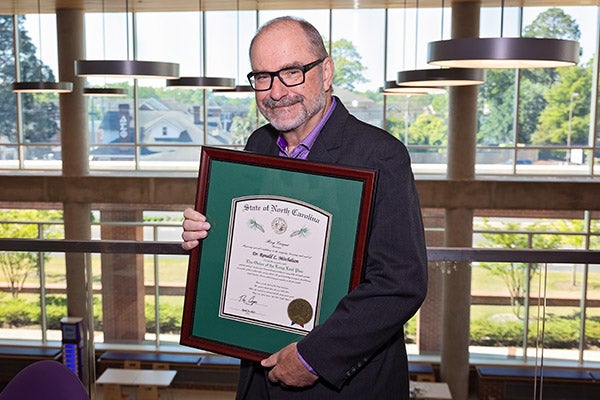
column 552, row 23
column 8, row 109
column 498, row 93
column 348, row 66
column 16, row 266
column 566, row 118
column 40, row 112
column 514, row 274
column 428, row 130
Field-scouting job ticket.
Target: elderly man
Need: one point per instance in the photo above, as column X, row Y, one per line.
column 359, row 351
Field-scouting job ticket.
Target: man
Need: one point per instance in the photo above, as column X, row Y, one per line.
column 359, row 351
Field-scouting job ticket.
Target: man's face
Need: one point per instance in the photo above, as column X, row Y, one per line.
column 289, row 108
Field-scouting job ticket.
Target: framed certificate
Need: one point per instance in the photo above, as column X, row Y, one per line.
column 286, row 243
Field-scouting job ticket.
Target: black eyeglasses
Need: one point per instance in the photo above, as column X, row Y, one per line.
column 291, row 76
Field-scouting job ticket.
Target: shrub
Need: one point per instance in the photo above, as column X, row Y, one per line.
column 492, row 333
column 170, row 318
column 56, row 308
column 17, row 312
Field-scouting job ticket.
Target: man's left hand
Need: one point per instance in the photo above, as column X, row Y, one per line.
column 287, row 369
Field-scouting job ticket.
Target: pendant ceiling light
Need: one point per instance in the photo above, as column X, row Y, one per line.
column 41, row 86
column 236, row 89
column 392, row 87
column 104, row 91
column 202, row 82
column 127, row 68
column 439, row 76
column 503, row 52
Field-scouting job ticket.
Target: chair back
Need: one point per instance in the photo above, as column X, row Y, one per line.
column 45, row 380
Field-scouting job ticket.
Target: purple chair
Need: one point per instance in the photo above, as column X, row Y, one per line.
column 44, row 380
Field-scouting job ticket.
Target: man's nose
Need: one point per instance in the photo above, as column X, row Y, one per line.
column 278, row 89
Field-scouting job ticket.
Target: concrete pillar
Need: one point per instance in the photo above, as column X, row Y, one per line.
column 73, row 116
column 74, row 143
column 71, row 45
column 462, row 130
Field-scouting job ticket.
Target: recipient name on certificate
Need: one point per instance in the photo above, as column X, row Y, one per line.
column 275, row 263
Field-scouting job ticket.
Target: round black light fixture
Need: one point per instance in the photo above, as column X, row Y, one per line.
column 127, row 68
column 503, row 52
column 42, row 87
column 203, row 82
column 441, row 77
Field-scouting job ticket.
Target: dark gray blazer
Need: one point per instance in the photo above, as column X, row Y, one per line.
column 359, row 352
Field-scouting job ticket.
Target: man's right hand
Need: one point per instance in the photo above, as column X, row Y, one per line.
column 195, row 228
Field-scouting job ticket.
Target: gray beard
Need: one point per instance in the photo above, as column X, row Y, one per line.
column 310, row 109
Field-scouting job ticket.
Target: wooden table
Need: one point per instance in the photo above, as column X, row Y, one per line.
column 147, row 380
column 430, row 391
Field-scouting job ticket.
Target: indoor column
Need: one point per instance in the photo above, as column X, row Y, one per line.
column 74, row 145
column 462, row 130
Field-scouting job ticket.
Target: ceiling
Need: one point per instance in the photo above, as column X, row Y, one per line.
column 49, row 6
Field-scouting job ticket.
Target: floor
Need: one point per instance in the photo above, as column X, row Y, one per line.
column 175, row 394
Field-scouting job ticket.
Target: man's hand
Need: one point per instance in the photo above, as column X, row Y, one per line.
column 195, row 228
column 287, row 369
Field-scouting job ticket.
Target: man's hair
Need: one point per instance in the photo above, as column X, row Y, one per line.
column 317, row 47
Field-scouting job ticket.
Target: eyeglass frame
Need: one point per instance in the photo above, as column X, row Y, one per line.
column 303, row 68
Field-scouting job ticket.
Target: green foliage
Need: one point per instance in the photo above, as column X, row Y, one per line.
column 16, row 266
column 39, row 111
column 169, row 318
column 569, row 97
column 592, row 330
column 492, row 333
column 560, row 332
column 428, row 130
column 56, row 308
column 553, row 23
column 15, row 312
column 240, row 129
column 496, row 94
column 410, row 330
column 396, row 126
column 516, row 275
column 348, row 67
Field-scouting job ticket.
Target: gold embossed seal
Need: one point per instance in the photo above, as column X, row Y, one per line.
column 300, row 311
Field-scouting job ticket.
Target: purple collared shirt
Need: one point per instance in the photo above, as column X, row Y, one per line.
column 301, row 151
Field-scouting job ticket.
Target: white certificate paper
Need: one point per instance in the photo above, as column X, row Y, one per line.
column 275, row 263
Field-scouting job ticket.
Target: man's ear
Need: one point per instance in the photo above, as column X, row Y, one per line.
column 328, row 71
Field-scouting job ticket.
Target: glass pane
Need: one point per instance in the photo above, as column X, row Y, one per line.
column 555, row 322
column 353, row 42
column 23, row 273
column 111, row 124
column 496, row 320
column 8, row 108
column 592, row 322
column 9, row 157
column 40, row 112
column 494, row 160
column 496, row 109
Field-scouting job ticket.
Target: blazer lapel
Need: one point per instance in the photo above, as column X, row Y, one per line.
column 327, row 148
